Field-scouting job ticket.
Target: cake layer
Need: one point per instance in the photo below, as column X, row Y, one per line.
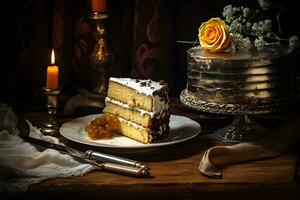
column 138, row 116
column 129, row 96
column 134, row 131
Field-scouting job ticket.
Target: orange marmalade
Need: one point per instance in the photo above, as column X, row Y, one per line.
column 102, row 127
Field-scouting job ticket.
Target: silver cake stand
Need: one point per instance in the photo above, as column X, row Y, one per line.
column 243, row 128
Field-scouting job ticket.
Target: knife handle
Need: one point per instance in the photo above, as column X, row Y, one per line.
column 105, row 158
column 125, row 170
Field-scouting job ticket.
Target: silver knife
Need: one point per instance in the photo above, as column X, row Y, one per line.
column 101, row 164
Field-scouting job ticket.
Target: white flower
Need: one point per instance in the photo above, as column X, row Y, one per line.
column 227, row 11
column 236, row 9
column 248, row 25
column 240, row 42
column 264, row 4
column 293, row 41
column 240, row 18
column 235, row 26
column 266, row 26
column 261, row 27
column 244, row 24
column 259, row 43
column 246, row 12
column 255, row 27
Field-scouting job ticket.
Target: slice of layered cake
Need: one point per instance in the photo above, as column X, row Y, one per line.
column 142, row 107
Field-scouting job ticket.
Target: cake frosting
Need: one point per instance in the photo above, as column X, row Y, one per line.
column 147, row 87
column 242, row 77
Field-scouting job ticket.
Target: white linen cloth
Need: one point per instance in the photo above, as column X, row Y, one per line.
column 21, row 164
column 277, row 142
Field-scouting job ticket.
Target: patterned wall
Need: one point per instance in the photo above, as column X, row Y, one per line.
column 142, row 35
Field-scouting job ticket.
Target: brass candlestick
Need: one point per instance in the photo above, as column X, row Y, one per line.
column 51, row 126
column 101, row 56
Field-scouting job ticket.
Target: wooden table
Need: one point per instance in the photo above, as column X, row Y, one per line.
column 175, row 175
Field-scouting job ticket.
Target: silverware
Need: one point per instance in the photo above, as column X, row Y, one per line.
column 93, row 155
column 120, row 169
column 101, row 161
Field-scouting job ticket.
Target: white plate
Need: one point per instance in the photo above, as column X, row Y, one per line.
column 181, row 129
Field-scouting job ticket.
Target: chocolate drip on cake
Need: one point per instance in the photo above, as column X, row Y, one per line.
column 160, row 128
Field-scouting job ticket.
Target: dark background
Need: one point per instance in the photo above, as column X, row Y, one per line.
column 142, row 35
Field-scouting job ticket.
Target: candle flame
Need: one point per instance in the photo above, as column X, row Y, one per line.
column 52, row 57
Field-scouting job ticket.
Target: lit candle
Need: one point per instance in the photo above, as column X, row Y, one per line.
column 99, row 6
column 52, row 74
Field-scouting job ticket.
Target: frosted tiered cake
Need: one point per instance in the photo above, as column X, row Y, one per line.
column 241, row 83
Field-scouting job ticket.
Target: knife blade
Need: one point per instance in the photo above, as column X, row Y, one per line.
column 103, row 165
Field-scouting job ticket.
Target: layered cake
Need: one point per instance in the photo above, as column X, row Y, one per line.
column 241, row 77
column 142, row 107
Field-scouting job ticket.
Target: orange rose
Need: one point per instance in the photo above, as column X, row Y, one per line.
column 214, row 35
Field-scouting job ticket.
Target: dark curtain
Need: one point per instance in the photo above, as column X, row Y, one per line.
column 142, row 35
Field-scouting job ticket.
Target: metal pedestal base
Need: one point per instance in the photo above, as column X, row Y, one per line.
column 50, row 128
column 242, row 129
